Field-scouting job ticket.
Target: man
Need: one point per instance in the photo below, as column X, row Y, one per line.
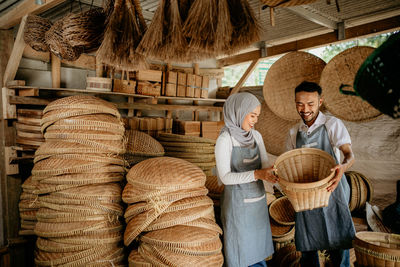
column 330, row 228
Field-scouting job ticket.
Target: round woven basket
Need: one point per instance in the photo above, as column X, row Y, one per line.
column 342, row 70
column 304, row 176
column 268, row 125
column 82, row 134
column 213, row 186
column 34, row 34
column 284, row 76
column 58, row 46
column 178, row 138
column 51, row 246
column 52, row 147
column 354, row 191
column 85, row 179
column 377, row 249
column 281, row 211
column 142, row 144
column 91, row 239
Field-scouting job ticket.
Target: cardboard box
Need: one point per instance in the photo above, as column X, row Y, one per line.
column 197, row 92
column 189, row 91
column 182, row 78
column 190, row 79
column 149, row 75
column 171, row 77
column 181, row 90
column 170, row 89
column 204, row 93
column 198, row 81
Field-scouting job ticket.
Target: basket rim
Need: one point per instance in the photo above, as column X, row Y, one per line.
column 361, row 240
column 277, row 218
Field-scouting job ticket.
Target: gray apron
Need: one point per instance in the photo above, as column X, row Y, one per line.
column 329, row 227
column 244, row 214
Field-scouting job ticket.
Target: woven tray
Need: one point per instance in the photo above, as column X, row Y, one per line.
column 304, row 176
column 91, row 239
column 80, row 147
column 83, row 101
column 342, row 70
column 194, row 150
column 212, row 185
column 82, row 134
column 87, row 209
column 168, row 137
column 99, row 158
column 166, row 173
column 281, row 211
column 283, row 77
column 84, row 179
column 135, row 259
column 142, row 144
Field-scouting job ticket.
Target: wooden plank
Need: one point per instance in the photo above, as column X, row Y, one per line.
column 55, row 71
column 149, row 75
column 13, row 17
column 15, row 83
column 244, row 77
column 24, row 100
column 28, row 92
column 9, row 111
column 16, row 54
column 373, row 28
column 11, row 169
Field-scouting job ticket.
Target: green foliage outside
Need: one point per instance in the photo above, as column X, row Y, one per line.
column 234, row 73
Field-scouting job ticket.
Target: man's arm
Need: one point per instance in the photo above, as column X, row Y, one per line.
column 344, row 166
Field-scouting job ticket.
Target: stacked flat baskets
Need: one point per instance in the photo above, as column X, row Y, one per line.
column 377, row 249
column 141, row 146
column 281, row 219
column 77, row 173
column 304, row 176
column 361, row 190
column 197, row 150
column 29, row 133
column 170, row 214
column 28, row 206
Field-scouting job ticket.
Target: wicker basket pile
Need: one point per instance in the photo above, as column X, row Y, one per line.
column 214, row 189
column 361, row 190
column 197, row 150
column 170, row 214
column 28, row 128
column 77, row 173
column 28, row 206
column 141, row 146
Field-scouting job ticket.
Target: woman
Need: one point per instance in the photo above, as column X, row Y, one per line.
column 242, row 165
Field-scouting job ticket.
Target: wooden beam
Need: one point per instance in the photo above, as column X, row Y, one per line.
column 244, row 77
column 373, row 28
column 13, row 17
column 16, row 54
column 55, row 71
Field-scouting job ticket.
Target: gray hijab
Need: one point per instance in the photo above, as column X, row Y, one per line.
column 236, row 107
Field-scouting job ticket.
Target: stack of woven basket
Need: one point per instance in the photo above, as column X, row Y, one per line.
column 29, row 134
column 197, row 150
column 28, row 207
column 171, row 214
column 77, row 171
column 361, row 190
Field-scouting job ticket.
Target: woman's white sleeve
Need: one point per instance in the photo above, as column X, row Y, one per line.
column 223, row 153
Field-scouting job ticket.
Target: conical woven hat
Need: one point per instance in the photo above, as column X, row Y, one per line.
column 132, row 194
column 141, row 221
column 52, row 147
column 213, row 186
column 281, row 210
column 51, row 134
column 166, row 173
column 29, row 120
column 115, row 258
column 284, row 76
column 178, row 138
column 205, row 223
column 274, row 130
column 342, row 70
column 135, row 259
column 173, row 218
column 91, row 239
column 85, row 179
column 52, row 246
column 176, row 259
column 182, row 204
column 139, row 143
column 100, row 158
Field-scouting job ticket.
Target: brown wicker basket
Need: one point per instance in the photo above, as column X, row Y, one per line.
column 142, row 144
column 377, row 249
column 281, row 210
column 305, row 173
column 34, row 34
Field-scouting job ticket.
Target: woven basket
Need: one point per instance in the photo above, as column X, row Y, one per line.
column 91, row 239
column 87, row 209
column 34, row 34
column 205, row 223
column 354, row 194
column 135, row 259
column 168, row 137
column 342, row 70
column 281, row 211
column 377, row 249
column 81, row 101
column 100, row 120
column 213, row 186
column 142, row 144
column 100, row 158
column 86, row 179
column 58, row 46
column 80, row 146
column 82, row 134
column 283, row 77
column 268, row 125
column 304, row 176
column 52, row 246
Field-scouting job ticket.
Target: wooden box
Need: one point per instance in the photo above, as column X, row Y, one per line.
column 204, row 93
column 148, row 124
column 134, row 123
column 190, row 80
column 198, row 81
column 147, row 88
column 197, row 92
column 170, row 89
column 189, row 91
column 124, row 86
column 171, row 77
column 205, row 84
column 187, row 127
column 181, row 78
column 149, row 75
column 168, row 124
column 99, row 84
column 211, row 129
column 181, row 90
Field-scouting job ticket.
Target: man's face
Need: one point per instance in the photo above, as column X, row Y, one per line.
column 307, row 105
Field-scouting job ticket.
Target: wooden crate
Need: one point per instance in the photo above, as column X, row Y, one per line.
column 197, row 92
column 182, row 78
column 198, row 81
column 190, row 80
column 205, row 84
column 170, row 89
column 168, row 122
column 204, row 93
column 171, row 77
column 124, row 86
column 187, row 127
column 149, row 75
column 148, row 88
column 181, row 90
column 189, row 91
column 160, row 124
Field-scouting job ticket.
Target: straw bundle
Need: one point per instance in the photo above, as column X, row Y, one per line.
column 85, row 29
column 124, row 31
column 76, row 174
column 169, row 212
column 34, row 34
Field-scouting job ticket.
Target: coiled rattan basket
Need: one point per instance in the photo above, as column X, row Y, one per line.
column 304, row 176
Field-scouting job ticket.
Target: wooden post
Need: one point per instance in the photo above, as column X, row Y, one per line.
column 130, row 111
column 244, row 77
column 55, row 71
column 196, row 71
column 99, row 69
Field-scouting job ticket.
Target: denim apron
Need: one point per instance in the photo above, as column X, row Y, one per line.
column 244, row 214
column 329, row 227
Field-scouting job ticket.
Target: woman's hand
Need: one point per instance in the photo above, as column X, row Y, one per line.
column 266, row 174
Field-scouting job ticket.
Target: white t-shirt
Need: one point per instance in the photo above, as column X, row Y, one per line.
column 223, row 154
column 337, row 132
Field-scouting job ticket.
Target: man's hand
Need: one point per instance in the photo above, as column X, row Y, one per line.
column 266, row 174
column 341, row 168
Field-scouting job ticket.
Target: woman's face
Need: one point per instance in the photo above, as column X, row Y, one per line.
column 251, row 119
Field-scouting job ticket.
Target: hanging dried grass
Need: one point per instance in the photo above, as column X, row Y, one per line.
column 85, row 29
column 34, row 34
column 123, row 34
column 224, row 28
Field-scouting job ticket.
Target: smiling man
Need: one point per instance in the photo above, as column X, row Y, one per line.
column 330, row 228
